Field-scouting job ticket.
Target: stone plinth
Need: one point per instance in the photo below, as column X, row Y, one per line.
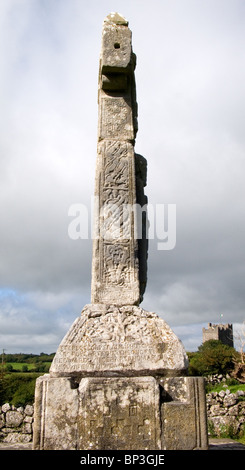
column 120, row 413
column 116, row 383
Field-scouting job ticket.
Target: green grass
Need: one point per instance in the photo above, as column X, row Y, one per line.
column 18, row 366
column 232, row 388
column 242, row 439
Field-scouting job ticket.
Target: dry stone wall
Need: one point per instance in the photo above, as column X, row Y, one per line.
column 16, row 423
column 226, row 413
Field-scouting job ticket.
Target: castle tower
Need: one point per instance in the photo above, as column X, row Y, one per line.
column 223, row 333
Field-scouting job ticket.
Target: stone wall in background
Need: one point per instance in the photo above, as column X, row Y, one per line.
column 16, row 423
column 226, row 413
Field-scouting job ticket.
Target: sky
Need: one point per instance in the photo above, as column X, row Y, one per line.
column 190, row 79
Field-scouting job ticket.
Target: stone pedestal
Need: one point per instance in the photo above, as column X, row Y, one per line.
column 120, row 413
column 116, row 382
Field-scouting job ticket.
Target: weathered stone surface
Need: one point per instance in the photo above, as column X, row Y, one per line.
column 14, row 419
column 27, row 428
column 116, row 263
column 116, row 18
column 119, row 413
column 100, row 413
column 28, row 419
column 29, row 410
column 225, row 425
column 226, row 412
column 6, row 407
column 116, row 119
column 15, row 437
column 16, row 423
column 116, row 51
column 217, row 409
column 126, row 340
column 55, row 415
column 2, row 421
column 128, row 413
column 115, row 267
column 183, row 414
column 230, row 399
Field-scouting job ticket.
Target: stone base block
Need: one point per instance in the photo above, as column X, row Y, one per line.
column 120, row 413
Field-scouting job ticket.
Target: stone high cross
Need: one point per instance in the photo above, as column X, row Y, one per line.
column 118, row 379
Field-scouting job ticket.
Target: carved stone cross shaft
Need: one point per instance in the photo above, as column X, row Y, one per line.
column 116, row 277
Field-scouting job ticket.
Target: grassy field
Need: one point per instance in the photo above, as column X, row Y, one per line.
column 18, row 366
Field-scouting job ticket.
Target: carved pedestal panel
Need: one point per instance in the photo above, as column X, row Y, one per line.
column 119, row 413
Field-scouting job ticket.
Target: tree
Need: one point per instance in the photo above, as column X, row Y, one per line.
column 18, row 389
column 212, row 357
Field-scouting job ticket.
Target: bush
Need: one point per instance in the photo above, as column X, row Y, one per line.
column 24, row 395
column 212, row 357
column 18, row 389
